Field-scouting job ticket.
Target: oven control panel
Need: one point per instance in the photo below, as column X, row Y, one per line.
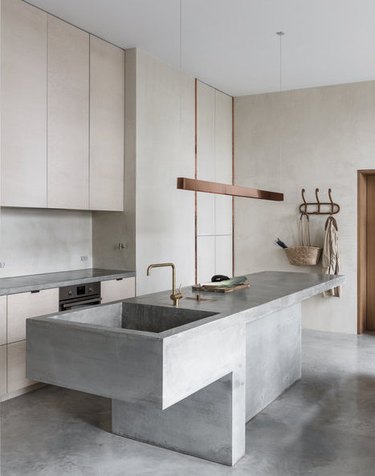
column 79, row 291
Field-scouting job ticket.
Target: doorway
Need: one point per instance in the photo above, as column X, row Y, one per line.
column 366, row 251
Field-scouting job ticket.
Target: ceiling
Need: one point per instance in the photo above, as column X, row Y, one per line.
column 232, row 45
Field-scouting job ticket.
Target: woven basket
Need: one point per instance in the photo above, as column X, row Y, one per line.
column 304, row 255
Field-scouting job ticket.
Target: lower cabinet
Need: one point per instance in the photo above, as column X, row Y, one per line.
column 3, row 371
column 31, row 304
column 17, row 379
column 16, row 308
column 20, row 307
column 3, row 320
column 117, row 289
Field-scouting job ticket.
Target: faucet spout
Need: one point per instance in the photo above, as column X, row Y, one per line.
column 175, row 296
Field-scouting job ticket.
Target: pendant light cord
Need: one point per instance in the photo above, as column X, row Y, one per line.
column 280, row 34
column 180, row 75
column 180, row 39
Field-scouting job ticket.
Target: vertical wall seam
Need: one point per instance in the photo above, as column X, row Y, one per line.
column 89, row 131
column 47, row 115
column 195, row 176
column 233, row 172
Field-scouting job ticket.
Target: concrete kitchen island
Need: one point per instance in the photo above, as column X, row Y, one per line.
column 187, row 379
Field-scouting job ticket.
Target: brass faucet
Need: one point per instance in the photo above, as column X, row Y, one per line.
column 175, row 296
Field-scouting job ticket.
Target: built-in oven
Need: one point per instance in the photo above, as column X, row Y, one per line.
column 73, row 297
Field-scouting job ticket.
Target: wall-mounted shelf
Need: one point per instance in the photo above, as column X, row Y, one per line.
column 204, row 186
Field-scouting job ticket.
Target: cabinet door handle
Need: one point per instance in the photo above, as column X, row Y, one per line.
column 119, row 279
column 35, row 291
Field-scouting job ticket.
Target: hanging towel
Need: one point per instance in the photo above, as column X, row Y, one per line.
column 331, row 257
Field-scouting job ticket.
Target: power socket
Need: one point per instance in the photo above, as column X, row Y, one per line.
column 2, row 264
column 84, row 258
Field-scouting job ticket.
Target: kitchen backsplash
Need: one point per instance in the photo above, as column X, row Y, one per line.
column 41, row 241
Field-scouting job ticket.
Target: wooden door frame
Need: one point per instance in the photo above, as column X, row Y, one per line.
column 361, row 249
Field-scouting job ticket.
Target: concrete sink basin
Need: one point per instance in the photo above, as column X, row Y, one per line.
column 140, row 317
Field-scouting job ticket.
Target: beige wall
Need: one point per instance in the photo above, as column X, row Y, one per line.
column 326, row 134
column 42, row 241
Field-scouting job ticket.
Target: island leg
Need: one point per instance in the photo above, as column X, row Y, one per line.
column 209, row 424
column 273, row 357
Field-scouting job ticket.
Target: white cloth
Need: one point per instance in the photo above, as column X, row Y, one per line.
column 331, row 255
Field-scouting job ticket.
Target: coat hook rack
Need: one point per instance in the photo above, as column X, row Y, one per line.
column 315, row 208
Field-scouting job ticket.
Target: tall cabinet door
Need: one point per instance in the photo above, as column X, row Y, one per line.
column 214, row 163
column 206, row 156
column 24, row 105
column 68, row 116
column 107, row 90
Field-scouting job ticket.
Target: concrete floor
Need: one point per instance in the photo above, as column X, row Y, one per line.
column 324, row 425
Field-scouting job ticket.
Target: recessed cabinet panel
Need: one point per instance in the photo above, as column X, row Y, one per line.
column 24, row 105
column 107, row 72
column 68, row 116
column 3, row 320
column 117, row 289
column 205, row 132
column 223, row 215
column 24, row 305
column 17, row 379
column 223, row 255
column 3, row 370
column 206, row 258
column 223, row 137
column 206, row 214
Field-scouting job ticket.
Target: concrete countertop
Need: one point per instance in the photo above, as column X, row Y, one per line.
column 269, row 292
column 36, row 282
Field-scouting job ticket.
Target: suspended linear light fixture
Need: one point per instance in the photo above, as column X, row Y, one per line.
column 195, row 185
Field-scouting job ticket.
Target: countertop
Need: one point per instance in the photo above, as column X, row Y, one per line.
column 269, row 292
column 36, row 282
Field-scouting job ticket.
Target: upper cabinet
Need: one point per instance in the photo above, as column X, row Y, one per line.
column 23, row 105
column 107, row 91
column 68, row 116
column 62, row 114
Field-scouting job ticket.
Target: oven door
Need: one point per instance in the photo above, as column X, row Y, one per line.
column 70, row 305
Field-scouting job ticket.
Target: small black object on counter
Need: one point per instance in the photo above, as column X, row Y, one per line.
column 219, row 277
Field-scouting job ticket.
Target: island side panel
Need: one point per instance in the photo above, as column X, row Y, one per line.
column 197, row 357
column 200, row 425
column 98, row 360
column 273, row 357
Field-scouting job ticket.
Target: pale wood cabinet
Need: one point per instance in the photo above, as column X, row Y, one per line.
column 206, row 156
column 3, row 371
column 20, row 307
column 24, row 305
column 214, row 163
column 107, row 91
column 62, row 114
column 206, row 255
column 23, row 105
column 16, row 378
column 223, row 168
column 117, row 289
column 68, row 116
column 3, row 322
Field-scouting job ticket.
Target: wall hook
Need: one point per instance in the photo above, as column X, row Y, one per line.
column 317, row 199
column 315, row 208
column 330, row 199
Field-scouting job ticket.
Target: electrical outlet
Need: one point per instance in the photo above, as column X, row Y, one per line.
column 84, row 258
column 2, row 264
